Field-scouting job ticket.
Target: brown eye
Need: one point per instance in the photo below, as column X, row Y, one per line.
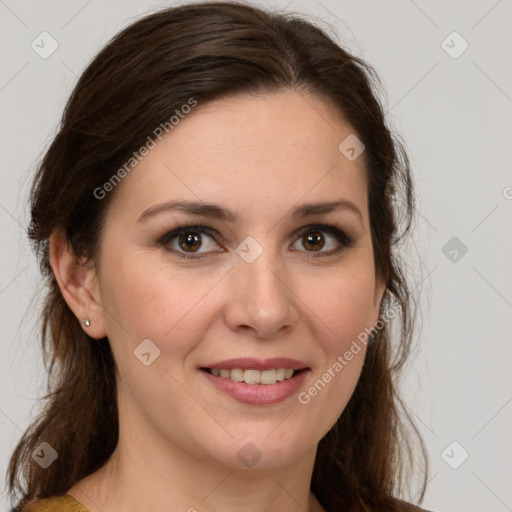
column 323, row 239
column 313, row 240
column 199, row 241
column 189, row 241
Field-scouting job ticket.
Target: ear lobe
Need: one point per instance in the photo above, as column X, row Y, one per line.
column 78, row 284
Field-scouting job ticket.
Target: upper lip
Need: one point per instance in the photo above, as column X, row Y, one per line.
column 249, row 363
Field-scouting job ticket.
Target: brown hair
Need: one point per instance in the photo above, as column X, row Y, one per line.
column 148, row 70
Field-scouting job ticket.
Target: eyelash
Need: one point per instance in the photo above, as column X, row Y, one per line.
column 345, row 241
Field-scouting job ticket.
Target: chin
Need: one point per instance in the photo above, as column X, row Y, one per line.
column 264, row 449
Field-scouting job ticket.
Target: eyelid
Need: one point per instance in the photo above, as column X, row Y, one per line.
column 199, row 228
column 340, row 235
column 328, row 228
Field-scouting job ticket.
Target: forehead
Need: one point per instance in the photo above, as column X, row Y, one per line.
column 250, row 151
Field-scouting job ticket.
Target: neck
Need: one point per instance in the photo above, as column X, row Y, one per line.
column 142, row 475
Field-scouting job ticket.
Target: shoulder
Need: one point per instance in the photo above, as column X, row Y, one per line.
column 64, row 503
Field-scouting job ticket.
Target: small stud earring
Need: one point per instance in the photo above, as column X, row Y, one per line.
column 86, row 322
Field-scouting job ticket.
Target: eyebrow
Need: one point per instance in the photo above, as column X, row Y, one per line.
column 214, row 211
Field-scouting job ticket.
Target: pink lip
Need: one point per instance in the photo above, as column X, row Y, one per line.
column 257, row 394
column 248, row 363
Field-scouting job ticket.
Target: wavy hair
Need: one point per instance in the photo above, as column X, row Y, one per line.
column 209, row 51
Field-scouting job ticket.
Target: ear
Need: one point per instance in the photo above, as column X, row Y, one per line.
column 78, row 283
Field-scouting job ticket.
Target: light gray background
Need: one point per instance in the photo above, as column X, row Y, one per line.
column 455, row 115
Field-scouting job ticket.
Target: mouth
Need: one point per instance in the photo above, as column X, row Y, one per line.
column 257, row 381
column 253, row 376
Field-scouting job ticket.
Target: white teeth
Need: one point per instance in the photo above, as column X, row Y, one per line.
column 280, row 374
column 237, row 374
column 269, row 377
column 254, row 376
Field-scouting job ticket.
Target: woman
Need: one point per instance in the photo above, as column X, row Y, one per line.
column 216, row 220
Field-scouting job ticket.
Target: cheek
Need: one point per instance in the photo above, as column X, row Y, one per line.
column 161, row 302
column 344, row 313
column 154, row 301
column 344, row 305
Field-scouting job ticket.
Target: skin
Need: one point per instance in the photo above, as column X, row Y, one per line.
column 179, row 435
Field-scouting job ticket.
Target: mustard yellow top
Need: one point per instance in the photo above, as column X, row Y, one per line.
column 67, row 503
column 64, row 503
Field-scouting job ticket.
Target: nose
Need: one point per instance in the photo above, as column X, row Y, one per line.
column 261, row 298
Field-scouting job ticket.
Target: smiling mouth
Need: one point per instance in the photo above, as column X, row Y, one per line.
column 252, row 376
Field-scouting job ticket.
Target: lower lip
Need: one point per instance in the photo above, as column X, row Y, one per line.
column 258, row 394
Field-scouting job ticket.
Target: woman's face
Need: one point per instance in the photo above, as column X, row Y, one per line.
column 259, row 289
